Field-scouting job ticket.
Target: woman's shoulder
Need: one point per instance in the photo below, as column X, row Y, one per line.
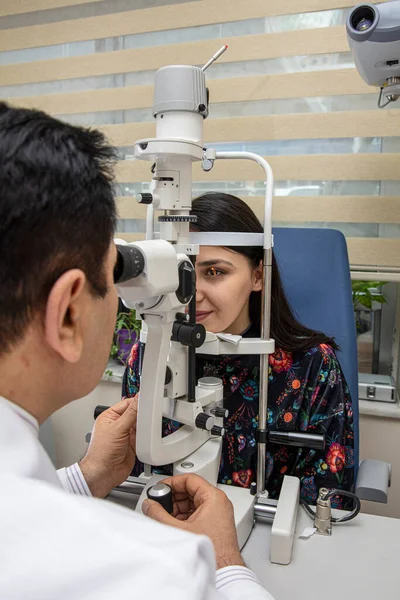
column 321, row 356
column 319, row 353
column 323, row 351
column 321, row 363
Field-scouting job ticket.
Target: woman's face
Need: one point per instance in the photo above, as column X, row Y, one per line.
column 225, row 280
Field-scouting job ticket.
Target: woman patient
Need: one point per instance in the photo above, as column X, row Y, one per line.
column 306, row 388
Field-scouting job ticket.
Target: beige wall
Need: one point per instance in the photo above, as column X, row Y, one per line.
column 379, row 439
column 73, row 422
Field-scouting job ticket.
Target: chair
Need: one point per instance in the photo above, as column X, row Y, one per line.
column 315, row 271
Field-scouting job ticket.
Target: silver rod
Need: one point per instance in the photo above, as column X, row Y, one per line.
column 130, row 487
column 264, row 512
column 297, row 439
column 265, row 333
column 375, row 269
column 393, row 276
column 214, row 57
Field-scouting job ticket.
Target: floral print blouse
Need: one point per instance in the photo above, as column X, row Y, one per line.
column 307, row 392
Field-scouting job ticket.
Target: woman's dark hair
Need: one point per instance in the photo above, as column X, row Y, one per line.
column 217, row 211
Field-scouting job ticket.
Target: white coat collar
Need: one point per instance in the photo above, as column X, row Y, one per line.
column 20, row 450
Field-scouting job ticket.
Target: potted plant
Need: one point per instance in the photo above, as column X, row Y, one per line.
column 367, row 297
column 127, row 329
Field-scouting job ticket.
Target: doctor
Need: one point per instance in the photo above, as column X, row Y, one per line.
column 57, row 312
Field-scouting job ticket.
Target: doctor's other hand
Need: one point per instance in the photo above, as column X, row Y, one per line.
column 200, row 507
column 111, row 453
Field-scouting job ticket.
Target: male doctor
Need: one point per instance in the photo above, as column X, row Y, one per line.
column 57, row 313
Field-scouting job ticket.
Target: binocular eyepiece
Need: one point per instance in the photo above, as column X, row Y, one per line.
column 130, row 263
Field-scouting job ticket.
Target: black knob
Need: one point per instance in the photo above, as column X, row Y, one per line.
column 188, row 335
column 161, row 493
column 253, row 488
column 130, row 263
column 98, row 410
column 216, row 430
column 145, row 198
column 204, row 421
column 220, row 411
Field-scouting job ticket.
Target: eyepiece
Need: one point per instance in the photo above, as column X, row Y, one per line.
column 130, row 263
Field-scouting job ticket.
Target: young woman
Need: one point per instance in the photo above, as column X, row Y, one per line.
column 307, row 389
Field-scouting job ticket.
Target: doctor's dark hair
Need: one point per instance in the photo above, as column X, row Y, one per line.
column 57, row 212
column 217, row 211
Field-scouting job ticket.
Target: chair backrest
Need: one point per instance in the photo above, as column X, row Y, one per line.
column 315, row 271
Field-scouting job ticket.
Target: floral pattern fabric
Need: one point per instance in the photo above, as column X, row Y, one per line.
column 306, row 392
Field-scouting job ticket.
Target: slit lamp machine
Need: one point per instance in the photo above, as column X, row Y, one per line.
column 157, row 279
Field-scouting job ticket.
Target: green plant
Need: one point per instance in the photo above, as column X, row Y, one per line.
column 128, row 320
column 363, row 299
column 362, row 296
column 125, row 321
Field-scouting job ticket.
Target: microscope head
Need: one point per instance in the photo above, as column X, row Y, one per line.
column 373, row 33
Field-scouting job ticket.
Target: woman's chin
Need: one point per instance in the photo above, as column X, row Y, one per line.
column 212, row 327
column 208, row 323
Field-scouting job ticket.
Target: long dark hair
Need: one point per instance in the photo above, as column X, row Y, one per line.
column 217, row 211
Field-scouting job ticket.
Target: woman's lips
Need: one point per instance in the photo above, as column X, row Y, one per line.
column 201, row 315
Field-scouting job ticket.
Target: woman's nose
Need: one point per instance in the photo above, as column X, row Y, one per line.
column 199, row 291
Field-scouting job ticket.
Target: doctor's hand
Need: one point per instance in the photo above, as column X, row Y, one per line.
column 111, row 453
column 201, row 508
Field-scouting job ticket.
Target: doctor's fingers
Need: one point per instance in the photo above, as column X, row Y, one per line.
column 193, row 486
column 184, row 507
column 128, row 415
column 123, row 405
column 155, row 511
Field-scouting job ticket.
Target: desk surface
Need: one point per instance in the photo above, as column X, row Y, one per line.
column 359, row 561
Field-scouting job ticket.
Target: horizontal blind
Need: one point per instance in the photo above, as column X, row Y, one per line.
column 278, row 91
column 191, row 14
column 261, row 46
column 17, row 7
column 351, row 167
column 239, row 89
column 278, row 127
column 323, row 208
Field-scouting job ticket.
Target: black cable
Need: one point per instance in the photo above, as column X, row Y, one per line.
column 348, row 516
column 308, row 509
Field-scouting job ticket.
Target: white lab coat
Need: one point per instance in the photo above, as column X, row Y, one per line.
column 59, row 546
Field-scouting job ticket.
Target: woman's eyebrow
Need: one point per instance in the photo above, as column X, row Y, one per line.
column 213, row 262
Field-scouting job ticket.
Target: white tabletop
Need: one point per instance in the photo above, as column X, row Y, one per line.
column 360, row 561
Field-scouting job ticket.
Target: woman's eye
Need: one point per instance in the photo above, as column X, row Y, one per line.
column 214, row 272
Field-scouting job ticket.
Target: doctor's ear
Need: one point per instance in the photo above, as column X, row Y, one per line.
column 64, row 317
